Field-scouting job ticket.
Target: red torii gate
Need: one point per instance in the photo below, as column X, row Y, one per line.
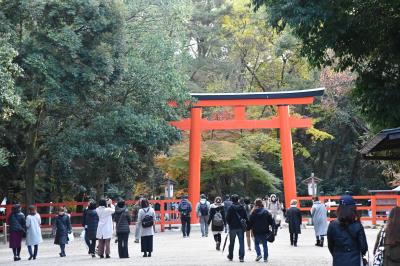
column 196, row 124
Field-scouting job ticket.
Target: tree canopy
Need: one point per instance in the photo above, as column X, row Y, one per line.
column 357, row 35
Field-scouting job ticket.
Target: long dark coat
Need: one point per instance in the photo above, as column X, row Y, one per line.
column 293, row 218
column 62, row 225
column 346, row 244
column 90, row 222
column 213, row 209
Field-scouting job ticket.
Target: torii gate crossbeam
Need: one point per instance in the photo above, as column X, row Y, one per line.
column 239, row 101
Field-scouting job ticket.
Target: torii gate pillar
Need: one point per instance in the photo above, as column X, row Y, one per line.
column 289, row 178
column 194, row 158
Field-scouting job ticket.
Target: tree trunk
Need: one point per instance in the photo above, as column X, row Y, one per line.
column 30, row 166
column 334, row 155
column 100, row 188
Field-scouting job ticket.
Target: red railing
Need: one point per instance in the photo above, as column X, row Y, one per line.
column 166, row 212
column 365, row 204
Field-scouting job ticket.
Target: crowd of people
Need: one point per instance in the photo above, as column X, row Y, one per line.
column 240, row 218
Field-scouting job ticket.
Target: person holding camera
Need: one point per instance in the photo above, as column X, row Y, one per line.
column 105, row 226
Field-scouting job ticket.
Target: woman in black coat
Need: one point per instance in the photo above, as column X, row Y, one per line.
column 122, row 220
column 346, row 237
column 91, row 221
column 217, row 220
column 293, row 218
column 62, row 227
column 17, row 230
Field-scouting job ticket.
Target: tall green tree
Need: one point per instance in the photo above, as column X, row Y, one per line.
column 359, row 35
column 66, row 50
column 9, row 98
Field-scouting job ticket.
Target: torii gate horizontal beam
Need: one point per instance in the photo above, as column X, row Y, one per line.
column 205, row 124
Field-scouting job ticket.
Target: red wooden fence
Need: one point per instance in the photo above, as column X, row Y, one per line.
column 167, row 213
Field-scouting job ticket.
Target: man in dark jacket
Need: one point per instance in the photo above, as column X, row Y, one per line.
column 90, row 223
column 185, row 208
column 237, row 220
column 122, row 220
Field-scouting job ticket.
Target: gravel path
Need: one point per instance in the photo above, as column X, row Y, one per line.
column 171, row 249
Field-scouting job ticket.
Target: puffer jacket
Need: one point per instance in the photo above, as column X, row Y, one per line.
column 17, row 222
column 91, row 222
column 122, row 220
column 347, row 244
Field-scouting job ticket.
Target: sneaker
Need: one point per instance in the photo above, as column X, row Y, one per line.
column 241, row 259
column 259, row 258
column 265, row 260
column 230, row 258
column 108, row 256
column 136, row 240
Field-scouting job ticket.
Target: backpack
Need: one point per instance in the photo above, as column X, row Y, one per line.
column 203, row 209
column 148, row 220
column 184, row 208
column 217, row 219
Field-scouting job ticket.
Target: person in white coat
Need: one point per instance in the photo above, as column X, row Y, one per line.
column 105, row 227
column 319, row 218
column 33, row 232
column 146, row 218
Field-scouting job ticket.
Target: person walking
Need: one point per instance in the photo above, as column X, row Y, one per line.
column 293, row 218
column 105, row 227
column 347, row 242
column 146, row 218
column 91, row 223
column 236, row 219
column 122, row 220
column 319, row 219
column 202, row 213
column 87, row 241
column 17, row 230
column 33, row 232
column 217, row 220
column 260, row 222
column 185, row 209
column 135, row 213
column 388, row 241
column 248, row 207
column 61, row 228
column 227, row 203
column 275, row 209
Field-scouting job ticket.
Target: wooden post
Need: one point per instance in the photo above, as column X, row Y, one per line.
column 5, row 232
column 195, row 160
column 289, row 178
column 162, row 215
column 373, row 209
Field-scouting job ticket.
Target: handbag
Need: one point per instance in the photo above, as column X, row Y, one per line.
column 271, row 237
column 378, row 256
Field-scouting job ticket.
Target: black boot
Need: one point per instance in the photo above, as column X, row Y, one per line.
column 318, row 243
column 218, row 246
column 321, row 242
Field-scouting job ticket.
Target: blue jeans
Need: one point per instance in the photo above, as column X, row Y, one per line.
column 232, row 236
column 204, row 225
column 263, row 240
